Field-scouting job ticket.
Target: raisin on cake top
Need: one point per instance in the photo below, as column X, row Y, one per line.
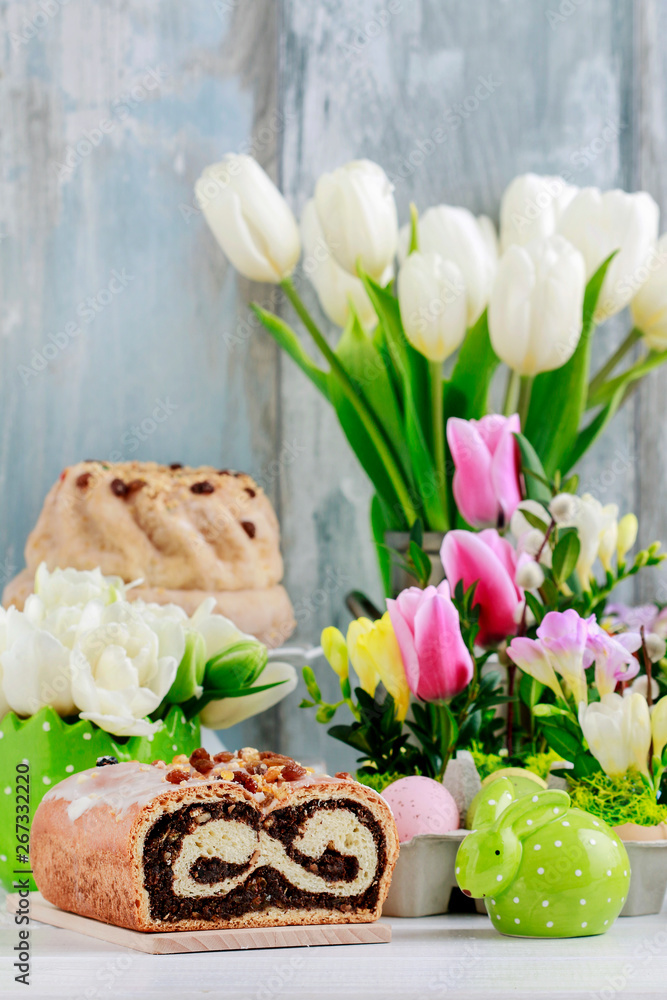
column 172, row 526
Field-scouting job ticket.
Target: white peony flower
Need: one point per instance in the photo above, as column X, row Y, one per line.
column 123, row 666
column 75, row 588
column 4, row 704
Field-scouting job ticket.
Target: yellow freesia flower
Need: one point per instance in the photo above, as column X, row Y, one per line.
column 334, row 648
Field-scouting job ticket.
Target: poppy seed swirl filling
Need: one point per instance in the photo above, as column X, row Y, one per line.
column 222, row 859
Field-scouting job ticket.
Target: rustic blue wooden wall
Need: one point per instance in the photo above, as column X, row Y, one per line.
column 110, row 110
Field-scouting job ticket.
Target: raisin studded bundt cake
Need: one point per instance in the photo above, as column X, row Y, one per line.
column 186, row 533
column 238, row 840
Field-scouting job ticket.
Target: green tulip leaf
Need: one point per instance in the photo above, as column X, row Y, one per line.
column 468, row 388
column 535, row 478
column 286, row 338
column 412, row 373
column 194, row 706
column 366, row 367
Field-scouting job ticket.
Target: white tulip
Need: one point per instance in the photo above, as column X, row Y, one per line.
column 229, row 711
column 618, row 732
column 535, row 311
column 531, row 207
column 218, row 632
column 649, row 306
column 35, row 667
column 490, row 237
column 249, row 218
column 356, row 208
column 335, row 287
column 598, row 223
column 432, row 300
column 122, row 667
column 455, row 234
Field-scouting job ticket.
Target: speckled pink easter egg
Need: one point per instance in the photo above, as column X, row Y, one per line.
column 421, row 805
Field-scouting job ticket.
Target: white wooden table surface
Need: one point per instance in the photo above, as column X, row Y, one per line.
column 430, row 958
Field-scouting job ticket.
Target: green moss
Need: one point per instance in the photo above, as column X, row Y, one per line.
column 378, row 782
column 540, row 763
column 617, row 800
column 486, row 763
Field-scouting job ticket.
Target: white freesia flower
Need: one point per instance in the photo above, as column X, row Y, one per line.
column 229, row 711
column 597, row 527
column 432, row 300
column 356, row 209
column 335, row 286
column 35, row 668
column 249, row 218
column 598, row 223
column 122, row 667
column 458, row 236
column 531, row 207
column 535, row 310
column 75, row 588
column 529, row 539
column 649, row 306
column 618, row 732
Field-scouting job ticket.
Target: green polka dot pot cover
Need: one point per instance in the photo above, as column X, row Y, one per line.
column 38, row 752
column 543, row 868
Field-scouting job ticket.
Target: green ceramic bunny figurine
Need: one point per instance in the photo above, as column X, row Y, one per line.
column 543, row 868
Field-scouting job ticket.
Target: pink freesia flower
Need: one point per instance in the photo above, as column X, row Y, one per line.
column 531, row 657
column 613, row 657
column 437, row 662
column 491, row 562
column 564, row 635
column 487, row 487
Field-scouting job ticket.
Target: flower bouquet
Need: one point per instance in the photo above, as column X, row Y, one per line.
column 446, row 289
column 602, row 708
column 84, row 674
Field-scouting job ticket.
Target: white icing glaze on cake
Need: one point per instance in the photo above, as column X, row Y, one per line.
column 130, row 785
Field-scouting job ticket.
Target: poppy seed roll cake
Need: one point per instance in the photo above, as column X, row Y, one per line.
column 237, row 840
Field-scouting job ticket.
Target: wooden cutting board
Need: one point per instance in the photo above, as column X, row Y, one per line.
column 173, row 942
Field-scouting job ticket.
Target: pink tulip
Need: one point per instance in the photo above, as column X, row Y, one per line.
column 487, row 487
column 437, row 662
column 491, row 562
